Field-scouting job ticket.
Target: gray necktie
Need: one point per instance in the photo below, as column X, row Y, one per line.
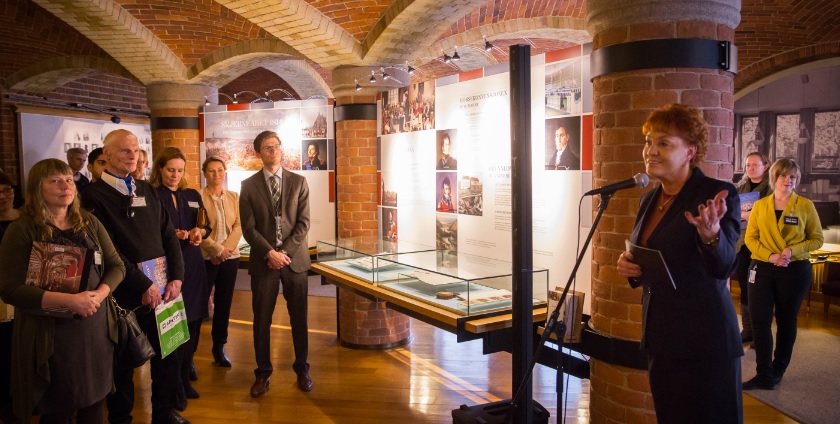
column 274, row 186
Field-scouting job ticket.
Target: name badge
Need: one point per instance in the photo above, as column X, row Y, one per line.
column 791, row 220
column 97, row 258
column 193, row 204
column 138, row 202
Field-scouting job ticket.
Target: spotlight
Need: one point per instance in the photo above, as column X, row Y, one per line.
column 446, row 58
column 234, row 99
column 455, row 56
column 206, row 101
column 372, row 77
column 358, row 87
column 410, row 70
column 115, row 119
column 487, row 45
column 385, row 75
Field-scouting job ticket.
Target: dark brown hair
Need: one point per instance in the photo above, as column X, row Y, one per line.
column 265, row 135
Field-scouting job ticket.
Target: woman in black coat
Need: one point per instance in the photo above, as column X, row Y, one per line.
column 689, row 327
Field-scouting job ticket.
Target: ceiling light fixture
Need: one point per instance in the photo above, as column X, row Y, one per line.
column 372, row 77
column 446, row 58
column 488, row 46
column 234, row 99
column 455, row 56
column 358, row 86
column 410, row 69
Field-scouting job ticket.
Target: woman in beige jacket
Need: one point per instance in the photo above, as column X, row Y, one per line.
column 221, row 250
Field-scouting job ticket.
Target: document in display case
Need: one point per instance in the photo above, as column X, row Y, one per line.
column 359, row 256
column 461, row 283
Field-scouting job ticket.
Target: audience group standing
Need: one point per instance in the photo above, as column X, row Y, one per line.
column 125, row 221
column 58, row 368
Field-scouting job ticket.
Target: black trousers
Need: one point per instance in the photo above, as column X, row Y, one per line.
column 779, row 289
column 696, row 391
column 186, row 352
column 165, row 372
column 743, row 273
column 264, row 290
column 223, row 277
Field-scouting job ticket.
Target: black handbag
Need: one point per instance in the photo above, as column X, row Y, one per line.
column 133, row 348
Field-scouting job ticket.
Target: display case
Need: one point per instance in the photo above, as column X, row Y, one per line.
column 360, row 256
column 464, row 284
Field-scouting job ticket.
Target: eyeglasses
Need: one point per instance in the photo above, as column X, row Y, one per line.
column 270, row 149
column 7, row 192
column 129, row 211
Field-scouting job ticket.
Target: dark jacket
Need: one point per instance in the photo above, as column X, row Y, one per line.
column 697, row 319
column 258, row 220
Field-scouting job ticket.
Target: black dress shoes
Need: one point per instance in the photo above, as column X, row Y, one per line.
column 219, row 356
column 191, row 392
column 169, row 417
column 758, row 383
column 304, row 382
column 259, row 387
column 193, row 372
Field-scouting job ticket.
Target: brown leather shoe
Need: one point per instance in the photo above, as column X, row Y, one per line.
column 259, row 387
column 304, row 382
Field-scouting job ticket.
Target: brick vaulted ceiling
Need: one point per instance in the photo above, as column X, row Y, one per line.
column 45, row 43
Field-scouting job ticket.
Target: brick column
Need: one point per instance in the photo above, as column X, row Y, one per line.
column 363, row 323
column 175, row 122
column 623, row 100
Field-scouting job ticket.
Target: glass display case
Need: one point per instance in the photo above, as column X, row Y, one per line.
column 360, row 256
column 460, row 283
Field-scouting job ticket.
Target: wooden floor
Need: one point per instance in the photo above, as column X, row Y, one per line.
column 420, row 383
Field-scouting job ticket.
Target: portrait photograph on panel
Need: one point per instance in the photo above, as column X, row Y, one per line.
column 314, row 155
column 562, row 143
column 470, row 195
column 389, row 224
column 445, row 190
column 446, row 141
column 563, row 88
column 446, row 231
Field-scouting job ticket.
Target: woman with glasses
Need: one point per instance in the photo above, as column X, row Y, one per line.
column 183, row 205
column 7, row 214
column 61, row 367
column 756, row 179
column 221, row 251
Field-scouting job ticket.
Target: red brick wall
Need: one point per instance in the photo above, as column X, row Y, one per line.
column 101, row 91
column 259, row 80
column 356, row 178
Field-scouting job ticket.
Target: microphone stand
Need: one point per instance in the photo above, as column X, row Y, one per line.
column 552, row 322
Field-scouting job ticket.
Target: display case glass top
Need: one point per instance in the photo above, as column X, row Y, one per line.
column 462, row 283
column 359, row 256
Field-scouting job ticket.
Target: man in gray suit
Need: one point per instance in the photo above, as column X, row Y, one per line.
column 274, row 209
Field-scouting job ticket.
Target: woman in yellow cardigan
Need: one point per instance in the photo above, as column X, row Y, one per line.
column 782, row 231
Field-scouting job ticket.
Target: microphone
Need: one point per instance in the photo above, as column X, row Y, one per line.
column 639, row 180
